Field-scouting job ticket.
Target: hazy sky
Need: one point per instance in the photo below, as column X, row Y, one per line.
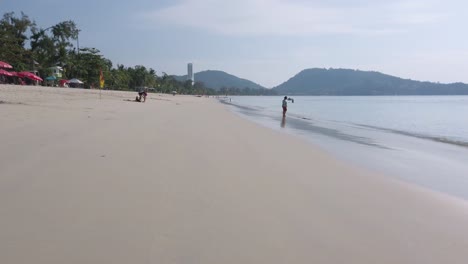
column 269, row 41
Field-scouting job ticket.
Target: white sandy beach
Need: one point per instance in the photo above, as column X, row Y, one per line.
column 180, row 179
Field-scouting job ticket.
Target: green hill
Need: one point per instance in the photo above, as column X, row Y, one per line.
column 219, row 79
column 355, row 82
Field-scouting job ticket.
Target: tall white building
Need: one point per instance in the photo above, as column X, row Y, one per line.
column 190, row 75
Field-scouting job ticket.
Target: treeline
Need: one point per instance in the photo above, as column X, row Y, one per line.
column 57, row 45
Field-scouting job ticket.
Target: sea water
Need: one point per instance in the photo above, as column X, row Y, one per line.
column 418, row 139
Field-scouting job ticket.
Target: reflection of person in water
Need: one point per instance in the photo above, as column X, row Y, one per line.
column 283, row 122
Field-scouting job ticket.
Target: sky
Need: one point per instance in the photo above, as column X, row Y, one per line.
column 270, row 41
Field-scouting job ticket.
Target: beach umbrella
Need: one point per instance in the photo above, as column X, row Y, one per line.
column 5, row 65
column 6, row 73
column 37, row 78
column 30, row 75
column 74, row 80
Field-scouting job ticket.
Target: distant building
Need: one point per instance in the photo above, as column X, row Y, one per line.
column 190, row 75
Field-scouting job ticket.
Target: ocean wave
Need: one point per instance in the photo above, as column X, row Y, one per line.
column 419, row 135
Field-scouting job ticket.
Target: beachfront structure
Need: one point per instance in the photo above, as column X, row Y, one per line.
column 190, row 75
column 56, row 71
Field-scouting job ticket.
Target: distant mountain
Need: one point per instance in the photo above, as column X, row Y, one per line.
column 355, row 82
column 219, row 79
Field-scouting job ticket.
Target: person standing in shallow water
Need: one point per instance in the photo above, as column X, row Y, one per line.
column 285, row 106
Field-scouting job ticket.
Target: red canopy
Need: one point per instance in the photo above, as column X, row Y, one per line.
column 30, row 75
column 62, row 82
column 5, row 65
column 6, row 73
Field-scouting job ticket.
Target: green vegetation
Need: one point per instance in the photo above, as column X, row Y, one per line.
column 55, row 46
column 13, row 37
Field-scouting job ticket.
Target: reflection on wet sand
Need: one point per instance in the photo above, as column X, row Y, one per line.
column 283, row 122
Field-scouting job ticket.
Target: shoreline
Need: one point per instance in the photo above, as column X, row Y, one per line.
column 182, row 179
column 428, row 163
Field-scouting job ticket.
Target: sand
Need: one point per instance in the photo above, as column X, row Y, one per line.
column 181, row 179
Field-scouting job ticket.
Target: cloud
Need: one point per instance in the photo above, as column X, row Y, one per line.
column 296, row 17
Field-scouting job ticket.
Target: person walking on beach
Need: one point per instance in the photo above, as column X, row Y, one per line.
column 285, row 106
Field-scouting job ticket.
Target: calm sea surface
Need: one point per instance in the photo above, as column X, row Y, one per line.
column 419, row 139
